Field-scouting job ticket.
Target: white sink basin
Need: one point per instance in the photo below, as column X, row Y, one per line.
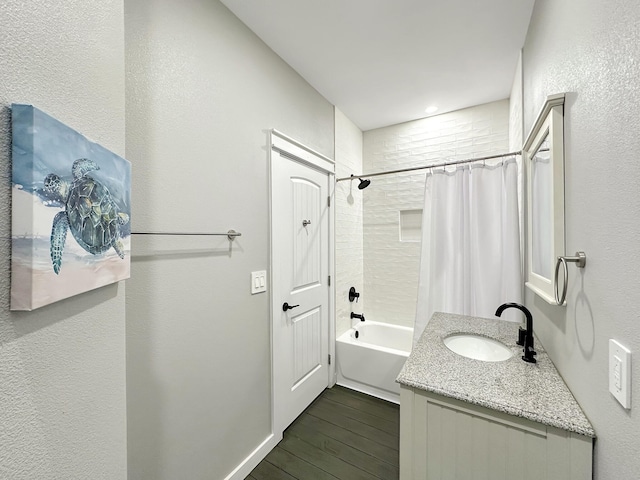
column 478, row 347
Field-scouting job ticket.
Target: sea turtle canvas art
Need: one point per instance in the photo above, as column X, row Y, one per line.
column 90, row 213
column 64, row 183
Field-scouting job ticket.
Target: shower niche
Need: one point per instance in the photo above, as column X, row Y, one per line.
column 410, row 222
column 543, row 154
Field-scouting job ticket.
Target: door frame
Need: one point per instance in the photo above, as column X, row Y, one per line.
column 296, row 151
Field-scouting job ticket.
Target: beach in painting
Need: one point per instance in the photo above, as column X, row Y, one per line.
column 33, row 281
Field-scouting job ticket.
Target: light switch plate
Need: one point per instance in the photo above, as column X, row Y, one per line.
column 258, row 282
column 620, row 373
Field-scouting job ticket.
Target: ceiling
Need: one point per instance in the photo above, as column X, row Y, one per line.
column 382, row 62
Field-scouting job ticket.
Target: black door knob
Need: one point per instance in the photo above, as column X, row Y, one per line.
column 286, row 306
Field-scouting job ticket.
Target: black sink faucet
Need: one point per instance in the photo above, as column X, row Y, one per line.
column 357, row 315
column 525, row 337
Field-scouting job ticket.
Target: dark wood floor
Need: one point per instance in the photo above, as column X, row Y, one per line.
column 343, row 434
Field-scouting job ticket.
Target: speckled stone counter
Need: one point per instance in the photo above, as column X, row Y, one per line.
column 532, row 391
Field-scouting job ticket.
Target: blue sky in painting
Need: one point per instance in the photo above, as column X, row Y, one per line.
column 44, row 145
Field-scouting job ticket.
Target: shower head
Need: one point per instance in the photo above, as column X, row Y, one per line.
column 363, row 184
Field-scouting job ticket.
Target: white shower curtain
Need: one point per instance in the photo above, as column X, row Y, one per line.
column 470, row 261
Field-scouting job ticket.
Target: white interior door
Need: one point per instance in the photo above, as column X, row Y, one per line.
column 300, row 278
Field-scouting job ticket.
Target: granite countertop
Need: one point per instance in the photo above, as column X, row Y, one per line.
column 534, row 391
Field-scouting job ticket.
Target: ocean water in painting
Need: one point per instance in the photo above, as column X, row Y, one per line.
column 42, row 146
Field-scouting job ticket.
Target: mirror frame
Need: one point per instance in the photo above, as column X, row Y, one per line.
column 550, row 121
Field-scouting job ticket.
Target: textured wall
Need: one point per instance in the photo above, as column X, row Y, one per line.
column 202, row 91
column 591, row 51
column 391, row 266
column 62, row 367
column 349, row 248
column 515, row 110
column 516, row 142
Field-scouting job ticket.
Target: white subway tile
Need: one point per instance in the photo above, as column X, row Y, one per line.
column 390, row 266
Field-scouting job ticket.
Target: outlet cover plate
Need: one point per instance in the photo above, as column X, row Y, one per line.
column 620, row 373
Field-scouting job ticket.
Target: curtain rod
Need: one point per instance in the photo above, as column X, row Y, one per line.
column 435, row 165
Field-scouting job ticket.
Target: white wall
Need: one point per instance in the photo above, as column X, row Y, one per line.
column 202, row 91
column 348, row 203
column 391, row 266
column 590, row 50
column 516, row 134
column 516, row 141
column 62, row 367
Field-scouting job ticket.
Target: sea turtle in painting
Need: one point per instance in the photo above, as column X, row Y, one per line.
column 90, row 213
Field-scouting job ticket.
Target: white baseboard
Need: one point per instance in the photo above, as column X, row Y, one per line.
column 254, row 458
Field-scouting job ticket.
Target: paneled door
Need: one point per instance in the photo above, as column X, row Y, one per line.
column 301, row 293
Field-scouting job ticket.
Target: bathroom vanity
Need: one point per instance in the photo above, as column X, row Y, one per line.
column 471, row 419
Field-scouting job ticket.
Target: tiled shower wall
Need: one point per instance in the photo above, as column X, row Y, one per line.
column 392, row 256
column 348, row 217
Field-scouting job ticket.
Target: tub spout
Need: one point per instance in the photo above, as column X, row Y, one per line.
column 358, row 315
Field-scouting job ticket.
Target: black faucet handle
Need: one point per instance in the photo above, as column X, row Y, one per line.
column 529, row 353
column 353, row 295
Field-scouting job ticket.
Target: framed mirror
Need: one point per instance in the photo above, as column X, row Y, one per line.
column 543, row 154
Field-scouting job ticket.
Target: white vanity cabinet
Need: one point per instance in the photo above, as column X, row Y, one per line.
column 444, row 438
column 466, row 419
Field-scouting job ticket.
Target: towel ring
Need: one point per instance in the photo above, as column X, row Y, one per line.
column 580, row 260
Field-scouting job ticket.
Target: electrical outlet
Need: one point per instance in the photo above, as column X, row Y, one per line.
column 620, row 373
column 258, row 282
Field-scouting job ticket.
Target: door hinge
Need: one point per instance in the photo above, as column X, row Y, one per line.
column 329, row 281
column 328, row 201
column 329, row 359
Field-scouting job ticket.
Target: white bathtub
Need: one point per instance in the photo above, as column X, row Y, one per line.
column 371, row 362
